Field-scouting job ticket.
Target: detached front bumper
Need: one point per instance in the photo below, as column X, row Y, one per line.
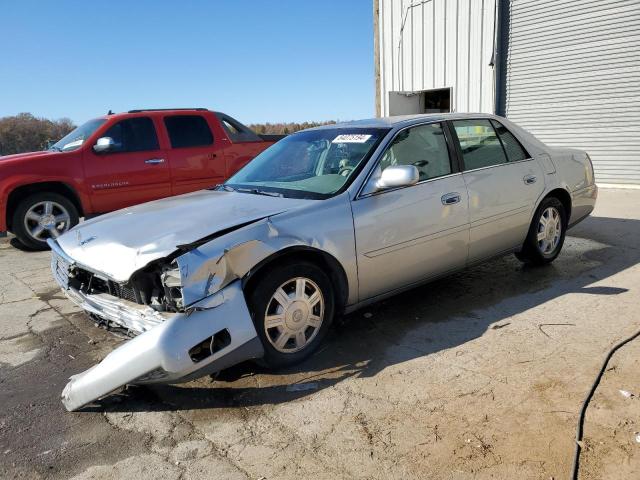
column 214, row 334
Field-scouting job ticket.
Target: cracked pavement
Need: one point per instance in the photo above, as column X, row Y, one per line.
column 479, row 375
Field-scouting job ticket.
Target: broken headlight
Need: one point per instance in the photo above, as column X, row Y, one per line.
column 171, row 281
column 159, row 285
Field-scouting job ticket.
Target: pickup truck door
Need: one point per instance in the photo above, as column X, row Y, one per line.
column 195, row 154
column 407, row 235
column 134, row 171
column 503, row 182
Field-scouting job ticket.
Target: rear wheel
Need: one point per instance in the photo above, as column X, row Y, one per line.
column 292, row 307
column 41, row 216
column 546, row 233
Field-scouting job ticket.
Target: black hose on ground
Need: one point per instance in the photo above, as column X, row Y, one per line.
column 585, row 404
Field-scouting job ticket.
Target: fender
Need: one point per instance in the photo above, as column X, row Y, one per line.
column 38, row 183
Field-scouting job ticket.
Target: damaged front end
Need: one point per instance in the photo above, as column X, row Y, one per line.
column 183, row 303
column 177, row 338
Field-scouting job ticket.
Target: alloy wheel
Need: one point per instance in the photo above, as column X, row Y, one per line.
column 46, row 219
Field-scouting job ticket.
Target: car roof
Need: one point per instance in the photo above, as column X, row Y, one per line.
column 155, row 111
column 403, row 120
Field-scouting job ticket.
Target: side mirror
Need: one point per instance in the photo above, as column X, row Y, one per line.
column 398, row 176
column 104, row 145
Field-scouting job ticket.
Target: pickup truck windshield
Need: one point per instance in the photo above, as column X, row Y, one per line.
column 309, row 164
column 76, row 138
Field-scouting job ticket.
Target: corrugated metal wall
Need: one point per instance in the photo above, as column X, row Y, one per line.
column 573, row 79
column 432, row 44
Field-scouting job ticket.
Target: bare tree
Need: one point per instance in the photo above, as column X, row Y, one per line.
column 284, row 128
column 26, row 133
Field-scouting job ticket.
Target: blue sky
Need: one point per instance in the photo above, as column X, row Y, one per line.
column 259, row 61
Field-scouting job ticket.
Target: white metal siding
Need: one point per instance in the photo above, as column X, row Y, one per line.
column 428, row 44
column 573, row 79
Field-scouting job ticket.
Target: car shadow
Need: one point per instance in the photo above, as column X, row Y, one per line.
column 441, row 315
column 15, row 243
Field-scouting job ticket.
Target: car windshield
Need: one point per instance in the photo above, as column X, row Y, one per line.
column 308, row 164
column 76, row 138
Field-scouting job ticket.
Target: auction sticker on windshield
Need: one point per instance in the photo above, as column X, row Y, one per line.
column 351, row 138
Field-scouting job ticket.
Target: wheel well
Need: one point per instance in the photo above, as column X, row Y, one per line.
column 20, row 193
column 327, row 262
column 564, row 197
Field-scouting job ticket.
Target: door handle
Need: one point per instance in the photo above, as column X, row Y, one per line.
column 529, row 179
column 154, row 161
column 450, row 198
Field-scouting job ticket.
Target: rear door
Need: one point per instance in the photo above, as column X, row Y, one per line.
column 195, row 155
column 406, row 235
column 134, row 171
column 503, row 182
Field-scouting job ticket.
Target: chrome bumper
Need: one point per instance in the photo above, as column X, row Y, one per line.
column 161, row 353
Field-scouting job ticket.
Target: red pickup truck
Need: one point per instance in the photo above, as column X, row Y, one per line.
column 116, row 161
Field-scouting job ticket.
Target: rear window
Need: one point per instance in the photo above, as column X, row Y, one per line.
column 188, row 131
column 237, row 132
column 515, row 151
column 230, row 127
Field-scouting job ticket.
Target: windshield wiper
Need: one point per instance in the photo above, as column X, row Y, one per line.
column 260, row 192
column 54, row 148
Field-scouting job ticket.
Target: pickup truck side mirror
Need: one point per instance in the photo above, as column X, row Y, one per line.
column 104, row 145
column 398, row 176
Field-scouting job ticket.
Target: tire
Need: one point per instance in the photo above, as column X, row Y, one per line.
column 41, row 216
column 305, row 319
column 543, row 244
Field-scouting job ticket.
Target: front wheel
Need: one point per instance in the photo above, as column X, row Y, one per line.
column 546, row 233
column 41, row 216
column 292, row 307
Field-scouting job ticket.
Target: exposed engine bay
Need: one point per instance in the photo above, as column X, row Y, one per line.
column 157, row 286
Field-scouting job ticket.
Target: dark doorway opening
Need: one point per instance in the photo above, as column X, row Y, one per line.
column 437, row 101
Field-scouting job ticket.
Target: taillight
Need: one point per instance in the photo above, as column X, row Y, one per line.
column 590, row 174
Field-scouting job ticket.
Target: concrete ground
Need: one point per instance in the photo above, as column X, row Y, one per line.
column 479, row 375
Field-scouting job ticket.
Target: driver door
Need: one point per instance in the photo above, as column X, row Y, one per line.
column 409, row 234
column 134, row 171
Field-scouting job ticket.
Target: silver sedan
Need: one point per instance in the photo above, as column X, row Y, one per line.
column 323, row 222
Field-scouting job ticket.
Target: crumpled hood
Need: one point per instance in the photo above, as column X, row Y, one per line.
column 119, row 243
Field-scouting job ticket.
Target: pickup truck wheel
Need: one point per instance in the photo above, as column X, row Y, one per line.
column 41, row 216
column 546, row 233
column 292, row 307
